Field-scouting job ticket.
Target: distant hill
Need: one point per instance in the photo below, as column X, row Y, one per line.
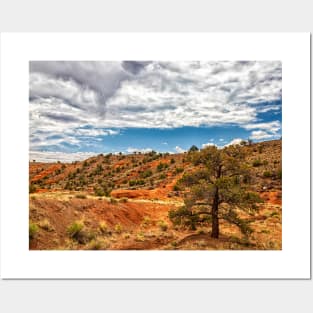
column 120, row 174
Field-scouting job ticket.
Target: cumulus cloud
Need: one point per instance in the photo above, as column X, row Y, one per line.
column 133, row 150
column 272, row 127
column 179, row 149
column 65, row 96
column 93, row 132
column 264, row 130
column 48, row 156
column 260, row 134
column 205, row 145
column 235, row 141
column 194, row 94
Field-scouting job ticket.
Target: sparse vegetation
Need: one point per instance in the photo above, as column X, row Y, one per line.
column 33, row 230
column 178, row 170
column 267, row 174
column 163, row 226
column 140, row 236
column 103, row 227
column 161, row 166
column 146, row 174
column 80, row 196
column 75, row 229
column 146, row 221
column 136, row 182
column 138, row 200
column 32, row 188
column 257, row 163
column 113, row 201
column 118, row 228
column 46, row 225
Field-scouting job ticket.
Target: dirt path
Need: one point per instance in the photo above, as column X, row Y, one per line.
column 65, row 196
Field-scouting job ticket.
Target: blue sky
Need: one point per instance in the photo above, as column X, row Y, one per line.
column 82, row 108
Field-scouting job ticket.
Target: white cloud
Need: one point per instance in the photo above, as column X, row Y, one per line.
column 235, row 141
column 47, row 156
column 272, row 127
column 67, row 96
column 95, row 132
column 195, row 93
column 132, row 150
column 179, row 149
column 264, row 130
column 260, row 134
column 208, row 145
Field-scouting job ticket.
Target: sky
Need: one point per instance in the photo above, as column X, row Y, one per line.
column 81, row 108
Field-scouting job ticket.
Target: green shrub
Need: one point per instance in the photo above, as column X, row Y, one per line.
column 94, row 245
column 57, row 172
column 176, row 188
column 267, row 174
column 81, row 196
column 75, row 229
column 33, row 230
column 146, row 174
column 32, row 188
column 68, row 186
column 123, row 200
column 118, row 228
column 99, row 192
column 98, row 169
column 274, row 214
column 132, row 183
column 136, row 182
column 113, row 201
column 146, row 221
column 163, row 226
column 172, row 161
column 161, row 166
column 140, row 236
column 257, row 163
column 103, row 227
column 179, row 170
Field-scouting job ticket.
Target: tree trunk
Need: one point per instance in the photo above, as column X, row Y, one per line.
column 215, row 223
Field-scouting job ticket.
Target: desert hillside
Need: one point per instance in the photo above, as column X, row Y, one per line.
column 123, row 202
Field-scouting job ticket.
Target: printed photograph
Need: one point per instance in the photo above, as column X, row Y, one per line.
column 155, row 155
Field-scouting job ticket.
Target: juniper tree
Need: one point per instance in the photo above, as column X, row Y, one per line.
column 216, row 190
column 193, row 148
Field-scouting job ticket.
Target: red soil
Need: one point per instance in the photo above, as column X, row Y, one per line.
column 272, row 197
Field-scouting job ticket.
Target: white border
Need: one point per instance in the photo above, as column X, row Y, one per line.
column 292, row 262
